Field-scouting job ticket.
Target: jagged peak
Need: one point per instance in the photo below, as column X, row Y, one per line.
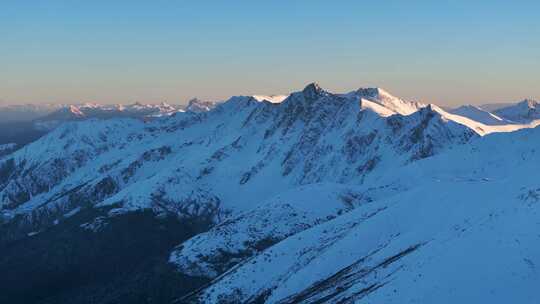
column 370, row 92
column 194, row 100
column 529, row 102
column 198, row 105
column 75, row 110
column 313, row 90
column 374, row 92
column 310, row 93
column 523, row 112
column 431, row 109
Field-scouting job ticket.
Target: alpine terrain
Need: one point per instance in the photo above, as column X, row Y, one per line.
column 313, row 197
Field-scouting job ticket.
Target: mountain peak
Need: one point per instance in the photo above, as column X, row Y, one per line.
column 196, row 105
column 368, row 92
column 75, row 110
column 386, row 100
column 375, row 92
column 529, row 102
column 524, row 111
column 194, row 100
column 312, row 90
column 270, row 98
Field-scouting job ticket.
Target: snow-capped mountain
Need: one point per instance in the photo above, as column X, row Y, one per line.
column 506, row 118
column 97, row 111
column 25, row 112
column 317, row 197
column 433, row 237
column 523, row 112
column 480, row 115
column 196, row 105
column 384, row 103
column 492, row 107
column 311, row 136
column 270, row 98
column 22, row 124
column 16, row 124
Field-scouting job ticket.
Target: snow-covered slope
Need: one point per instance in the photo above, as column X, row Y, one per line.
column 435, row 235
column 481, row 127
column 320, row 197
column 197, row 105
column 480, row 115
column 22, row 124
column 492, row 107
column 383, row 102
column 525, row 111
column 246, row 234
column 222, row 160
column 98, row 111
column 270, row 98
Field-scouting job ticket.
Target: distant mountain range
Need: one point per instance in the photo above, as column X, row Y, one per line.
column 313, row 197
column 22, row 124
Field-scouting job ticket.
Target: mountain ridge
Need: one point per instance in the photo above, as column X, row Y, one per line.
column 321, row 196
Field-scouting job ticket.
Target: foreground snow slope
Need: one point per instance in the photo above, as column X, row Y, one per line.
column 462, row 227
column 241, row 236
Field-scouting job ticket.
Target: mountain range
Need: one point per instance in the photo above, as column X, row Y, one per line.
column 313, row 197
column 22, row 124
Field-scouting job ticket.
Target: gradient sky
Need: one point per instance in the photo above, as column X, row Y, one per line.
column 445, row 52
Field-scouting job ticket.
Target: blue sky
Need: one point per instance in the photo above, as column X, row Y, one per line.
column 446, row 52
